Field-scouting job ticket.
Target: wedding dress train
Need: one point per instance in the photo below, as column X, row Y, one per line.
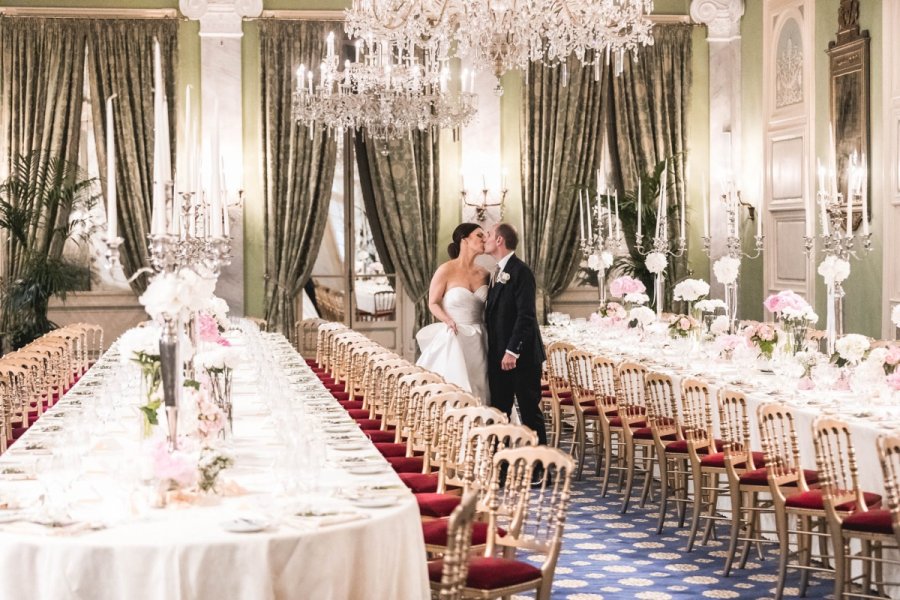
column 462, row 358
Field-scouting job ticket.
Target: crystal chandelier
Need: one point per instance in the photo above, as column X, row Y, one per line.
column 387, row 89
column 501, row 35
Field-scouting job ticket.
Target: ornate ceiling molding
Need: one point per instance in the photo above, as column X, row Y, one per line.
column 220, row 18
column 721, row 17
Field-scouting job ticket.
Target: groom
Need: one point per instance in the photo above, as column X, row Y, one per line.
column 515, row 349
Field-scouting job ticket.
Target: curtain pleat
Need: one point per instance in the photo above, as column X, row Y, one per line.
column 120, row 62
column 368, row 194
column 298, row 166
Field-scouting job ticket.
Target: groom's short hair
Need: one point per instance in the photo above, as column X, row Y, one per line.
column 509, row 234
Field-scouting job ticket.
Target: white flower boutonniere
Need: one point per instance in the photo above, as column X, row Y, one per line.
column 502, row 277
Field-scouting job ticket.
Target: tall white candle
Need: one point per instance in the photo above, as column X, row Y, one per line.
column 683, row 205
column 864, row 185
column 759, row 218
column 158, row 218
column 821, row 171
column 809, row 218
column 112, row 215
column 609, row 215
column 850, row 191
column 590, row 226
column 188, row 151
column 639, row 208
column 581, row 216
column 215, row 190
column 824, row 210
column 618, row 226
column 705, row 207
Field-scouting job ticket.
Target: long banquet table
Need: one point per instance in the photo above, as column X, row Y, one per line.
column 329, row 540
column 867, row 418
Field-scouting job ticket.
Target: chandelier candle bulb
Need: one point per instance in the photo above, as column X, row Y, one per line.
column 330, row 44
column 111, row 208
column 300, row 78
column 849, row 231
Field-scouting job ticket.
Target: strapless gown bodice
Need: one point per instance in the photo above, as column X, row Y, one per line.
column 462, row 358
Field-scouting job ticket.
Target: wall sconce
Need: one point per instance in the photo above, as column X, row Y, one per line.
column 482, row 203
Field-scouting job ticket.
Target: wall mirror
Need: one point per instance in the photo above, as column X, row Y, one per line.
column 849, row 62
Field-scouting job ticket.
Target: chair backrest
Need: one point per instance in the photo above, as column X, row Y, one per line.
column 836, row 463
column 389, row 395
column 425, row 408
column 632, row 393
column 306, row 335
column 452, row 437
column 384, row 303
column 696, row 415
column 323, row 343
column 734, row 428
column 558, row 367
column 531, row 504
column 889, row 455
column 456, row 557
column 781, row 447
column 375, row 380
column 662, row 407
column 484, row 442
column 581, row 378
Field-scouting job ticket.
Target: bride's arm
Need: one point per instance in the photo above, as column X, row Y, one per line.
column 436, row 294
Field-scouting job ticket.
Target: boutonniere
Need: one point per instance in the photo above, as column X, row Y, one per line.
column 502, row 277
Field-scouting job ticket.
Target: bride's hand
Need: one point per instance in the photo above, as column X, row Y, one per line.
column 451, row 325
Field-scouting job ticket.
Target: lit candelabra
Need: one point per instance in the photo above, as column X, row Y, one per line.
column 728, row 267
column 483, row 203
column 598, row 249
column 838, row 241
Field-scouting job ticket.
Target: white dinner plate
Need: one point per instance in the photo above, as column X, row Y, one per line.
column 367, row 468
column 350, row 445
column 245, row 525
column 380, row 501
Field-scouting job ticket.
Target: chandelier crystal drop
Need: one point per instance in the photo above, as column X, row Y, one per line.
column 388, row 89
column 501, row 35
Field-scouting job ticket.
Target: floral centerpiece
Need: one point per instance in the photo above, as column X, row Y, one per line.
column 600, row 261
column 212, row 462
column 641, row 316
column 891, row 359
column 726, row 270
column 218, row 365
column 612, row 310
column 621, row 286
column 177, row 294
column 795, row 315
column 834, row 270
column 709, row 305
column 211, row 419
column 141, row 346
column 726, row 344
column 763, row 336
column 681, row 326
column 656, row 263
column 850, row 349
column 719, row 326
column 690, row 291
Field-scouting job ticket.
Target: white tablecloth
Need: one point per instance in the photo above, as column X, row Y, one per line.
column 183, row 552
column 365, row 295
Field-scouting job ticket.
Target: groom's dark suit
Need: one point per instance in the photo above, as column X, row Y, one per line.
column 512, row 325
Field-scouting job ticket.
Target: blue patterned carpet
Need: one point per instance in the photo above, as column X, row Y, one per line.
column 607, row 555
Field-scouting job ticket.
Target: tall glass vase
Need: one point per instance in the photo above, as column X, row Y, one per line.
column 731, row 302
column 795, row 335
column 658, row 283
column 169, row 369
column 220, row 390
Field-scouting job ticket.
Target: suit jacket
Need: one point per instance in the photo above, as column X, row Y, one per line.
column 511, row 317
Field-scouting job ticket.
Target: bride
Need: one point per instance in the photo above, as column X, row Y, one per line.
column 456, row 348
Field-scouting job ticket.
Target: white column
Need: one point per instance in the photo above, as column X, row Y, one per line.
column 220, row 82
column 722, row 18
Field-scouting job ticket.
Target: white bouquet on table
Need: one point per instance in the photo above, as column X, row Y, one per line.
column 726, row 269
column 851, row 348
column 637, row 298
column 139, row 342
column 656, row 262
column 691, row 290
column 834, row 270
column 710, row 305
column 177, row 294
column 719, row 326
column 641, row 316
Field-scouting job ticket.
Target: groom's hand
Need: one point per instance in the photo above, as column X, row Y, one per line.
column 508, row 363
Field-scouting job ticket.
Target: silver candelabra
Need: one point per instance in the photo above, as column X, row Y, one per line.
column 660, row 245
column 596, row 246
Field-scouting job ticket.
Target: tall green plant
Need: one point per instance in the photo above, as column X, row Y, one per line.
column 36, row 201
column 633, row 264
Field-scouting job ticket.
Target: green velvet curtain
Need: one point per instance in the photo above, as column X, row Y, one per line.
column 406, row 189
column 649, row 107
column 120, row 61
column 561, row 135
column 298, row 166
column 41, row 83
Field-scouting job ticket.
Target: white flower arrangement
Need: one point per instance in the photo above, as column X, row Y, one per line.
column 799, row 314
column 834, row 270
column 218, row 358
column 719, row 326
column 642, row 315
column 726, row 269
column 175, row 294
column 218, row 309
column 211, row 463
column 852, row 347
column 600, row 261
column 710, row 305
column 656, row 262
column 895, row 315
column 636, row 298
column 690, row 290
column 140, row 340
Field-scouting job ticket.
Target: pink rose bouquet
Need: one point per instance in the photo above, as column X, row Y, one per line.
column 763, row 336
column 176, row 468
column 892, row 359
column 620, row 286
column 893, row 380
column 681, row 326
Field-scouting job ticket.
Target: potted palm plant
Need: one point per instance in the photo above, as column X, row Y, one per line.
column 36, row 201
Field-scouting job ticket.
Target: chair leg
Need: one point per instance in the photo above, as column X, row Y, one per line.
column 607, row 465
column 600, row 443
column 629, row 477
column 804, row 547
column 737, row 499
column 781, row 521
column 581, row 443
column 663, row 491
column 648, row 474
column 681, row 490
column 696, row 505
column 840, row 546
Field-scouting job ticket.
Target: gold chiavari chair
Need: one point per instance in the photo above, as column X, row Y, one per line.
column 584, row 396
column 377, row 400
column 454, row 561
column 324, row 345
column 611, row 433
column 7, row 392
column 422, row 420
column 526, row 513
column 261, row 323
column 561, row 403
column 394, row 397
column 842, row 498
column 638, row 438
column 669, row 445
column 747, row 480
column 889, row 456
column 306, row 335
column 791, row 496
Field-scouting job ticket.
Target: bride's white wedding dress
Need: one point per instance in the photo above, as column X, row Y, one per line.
column 460, row 358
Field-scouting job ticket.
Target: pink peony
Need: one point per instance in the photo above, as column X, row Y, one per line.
column 893, row 356
column 620, row 286
column 684, row 323
column 893, row 380
column 765, row 332
column 785, row 299
column 175, row 467
column 209, row 329
column 773, row 303
column 805, row 384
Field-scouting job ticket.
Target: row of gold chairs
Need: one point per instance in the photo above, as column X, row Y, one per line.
column 446, row 447
column 34, row 377
column 649, row 430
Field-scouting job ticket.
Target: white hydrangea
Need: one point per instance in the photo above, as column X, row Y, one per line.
column 218, row 357
column 726, row 269
column 719, row 325
column 218, row 309
column 656, row 262
column 600, row 261
column 177, row 294
column 636, row 298
column 139, row 340
column 834, row 270
column 710, row 305
column 852, row 347
column 643, row 315
column 691, row 290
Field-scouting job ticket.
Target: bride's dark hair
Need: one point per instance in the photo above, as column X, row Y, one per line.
column 462, row 231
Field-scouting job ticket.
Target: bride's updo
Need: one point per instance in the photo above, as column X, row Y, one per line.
column 462, row 231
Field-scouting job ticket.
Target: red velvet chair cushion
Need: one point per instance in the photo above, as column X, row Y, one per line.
column 813, row 500
column 420, row 483
column 352, row 404
column 437, row 505
column 871, row 521
column 406, row 464
column 390, row 448
column 18, row 431
column 365, row 424
column 717, row 460
column 681, row 447
column 435, row 532
column 491, row 573
column 617, row 422
column 378, row 436
column 760, row 477
column 358, row 413
column 645, row 433
column 335, row 387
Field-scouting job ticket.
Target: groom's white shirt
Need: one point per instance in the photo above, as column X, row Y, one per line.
column 501, row 264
